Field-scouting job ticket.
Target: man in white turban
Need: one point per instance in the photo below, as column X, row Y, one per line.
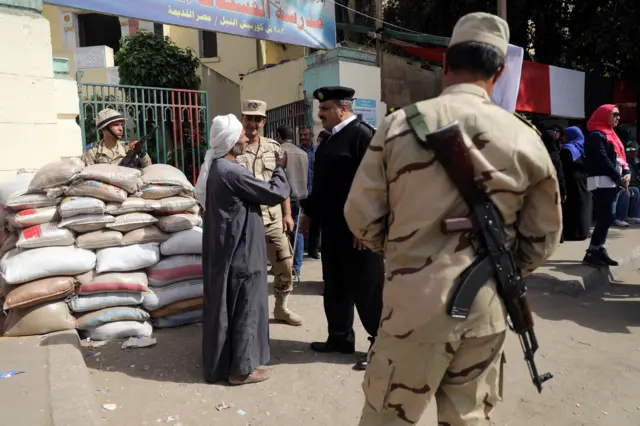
column 235, row 333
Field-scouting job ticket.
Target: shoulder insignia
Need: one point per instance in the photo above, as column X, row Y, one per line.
column 527, row 122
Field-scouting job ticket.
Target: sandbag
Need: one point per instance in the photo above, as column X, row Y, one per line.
column 39, row 319
column 120, row 330
column 179, row 222
column 165, row 174
column 126, row 178
column 55, row 174
column 13, row 187
column 95, row 189
column 148, row 234
column 158, row 298
column 178, row 320
column 31, row 201
column 9, row 241
column 108, row 315
column 32, row 217
column 113, row 282
column 130, row 205
column 128, row 258
column 20, row 267
column 173, row 205
column 175, row 268
column 183, row 242
column 39, row 291
column 45, row 235
column 86, row 222
column 178, row 307
column 93, row 302
column 74, row 206
column 99, row 239
column 157, row 192
column 130, row 221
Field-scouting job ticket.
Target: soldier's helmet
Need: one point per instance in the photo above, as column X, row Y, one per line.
column 108, row 116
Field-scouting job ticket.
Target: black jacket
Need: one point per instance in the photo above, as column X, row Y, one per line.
column 600, row 157
column 554, row 153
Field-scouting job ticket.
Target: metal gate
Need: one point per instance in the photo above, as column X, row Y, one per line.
column 297, row 114
column 181, row 116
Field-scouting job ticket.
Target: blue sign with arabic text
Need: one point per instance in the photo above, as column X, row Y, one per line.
column 302, row 22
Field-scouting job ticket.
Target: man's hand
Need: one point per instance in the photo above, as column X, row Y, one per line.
column 626, row 179
column 357, row 244
column 288, row 223
column 281, row 160
column 303, row 226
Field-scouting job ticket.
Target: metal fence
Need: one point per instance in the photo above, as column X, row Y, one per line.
column 296, row 114
column 181, row 116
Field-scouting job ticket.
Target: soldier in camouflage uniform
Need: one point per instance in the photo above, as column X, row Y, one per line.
column 421, row 352
column 259, row 158
column 110, row 150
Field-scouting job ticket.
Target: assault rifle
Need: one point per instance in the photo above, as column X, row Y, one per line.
column 132, row 159
column 494, row 256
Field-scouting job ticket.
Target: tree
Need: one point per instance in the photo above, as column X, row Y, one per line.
column 149, row 59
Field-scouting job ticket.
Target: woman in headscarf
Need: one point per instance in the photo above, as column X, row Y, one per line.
column 606, row 163
column 576, row 209
column 235, row 332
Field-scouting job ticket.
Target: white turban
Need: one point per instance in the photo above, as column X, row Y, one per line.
column 224, row 134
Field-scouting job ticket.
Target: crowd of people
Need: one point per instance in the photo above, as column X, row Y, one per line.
column 598, row 177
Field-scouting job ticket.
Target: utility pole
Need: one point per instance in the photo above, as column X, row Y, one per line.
column 502, row 9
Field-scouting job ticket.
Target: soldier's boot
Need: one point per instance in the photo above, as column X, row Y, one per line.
column 281, row 312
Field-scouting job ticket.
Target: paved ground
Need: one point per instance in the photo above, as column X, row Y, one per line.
column 587, row 342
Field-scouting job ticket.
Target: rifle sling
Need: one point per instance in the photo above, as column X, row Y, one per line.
column 473, row 278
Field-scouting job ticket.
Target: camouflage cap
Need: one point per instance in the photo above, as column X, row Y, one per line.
column 482, row 28
column 254, row 107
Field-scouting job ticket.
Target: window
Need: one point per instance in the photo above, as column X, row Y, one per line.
column 208, row 44
column 96, row 29
column 158, row 29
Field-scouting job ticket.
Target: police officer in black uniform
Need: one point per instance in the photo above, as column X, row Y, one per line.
column 353, row 275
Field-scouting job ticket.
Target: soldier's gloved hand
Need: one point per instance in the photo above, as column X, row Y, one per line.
column 281, row 160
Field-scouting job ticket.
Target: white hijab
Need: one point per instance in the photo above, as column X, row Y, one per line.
column 224, row 134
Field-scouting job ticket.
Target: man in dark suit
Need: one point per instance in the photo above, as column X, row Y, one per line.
column 353, row 275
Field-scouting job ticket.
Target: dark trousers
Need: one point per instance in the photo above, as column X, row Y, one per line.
column 313, row 241
column 351, row 278
column 604, row 213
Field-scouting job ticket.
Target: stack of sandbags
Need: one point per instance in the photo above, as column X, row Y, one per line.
column 39, row 271
column 175, row 283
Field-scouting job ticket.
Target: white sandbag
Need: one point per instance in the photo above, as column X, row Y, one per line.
column 126, row 178
column 158, row 192
column 183, row 242
column 31, row 201
column 179, row 320
column 165, row 174
column 130, row 221
column 179, row 222
column 87, row 222
column 45, row 235
column 102, row 238
column 173, row 269
column 161, row 297
column 74, row 206
column 173, row 205
column 94, row 302
column 128, row 258
column 95, row 189
column 32, row 217
column 120, row 330
column 19, row 267
column 15, row 186
column 55, row 174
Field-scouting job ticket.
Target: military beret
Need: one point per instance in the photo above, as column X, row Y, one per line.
column 334, row 93
column 482, row 28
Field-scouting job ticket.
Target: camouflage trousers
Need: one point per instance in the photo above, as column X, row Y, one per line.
column 280, row 256
column 403, row 376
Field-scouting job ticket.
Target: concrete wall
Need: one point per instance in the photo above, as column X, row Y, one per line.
column 224, row 94
column 405, row 82
column 277, row 86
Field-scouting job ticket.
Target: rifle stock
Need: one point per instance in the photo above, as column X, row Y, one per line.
column 131, row 159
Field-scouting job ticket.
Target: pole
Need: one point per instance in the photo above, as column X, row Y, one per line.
column 379, row 52
column 502, row 9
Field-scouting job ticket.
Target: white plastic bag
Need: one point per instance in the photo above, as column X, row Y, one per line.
column 128, row 258
column 94, row 302
column 183, row 242
column 87, row 222
column 32, row 217
column 120, row 330
column 13, row 187
column 161, row 297
column 20, row 267
column 45, row 235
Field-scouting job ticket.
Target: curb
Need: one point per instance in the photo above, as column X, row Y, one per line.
column 70, row 389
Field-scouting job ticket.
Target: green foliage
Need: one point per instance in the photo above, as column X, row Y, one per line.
column 149, row 59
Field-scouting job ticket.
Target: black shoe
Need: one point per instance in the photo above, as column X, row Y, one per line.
column 361, row 363
column 329, row 346
column 606, row 259
column 314, row 255
column 595, row 258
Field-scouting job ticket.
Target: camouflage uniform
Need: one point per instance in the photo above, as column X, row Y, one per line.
column 98, row 153
column 421, row 351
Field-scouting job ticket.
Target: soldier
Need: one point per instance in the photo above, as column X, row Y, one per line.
column 260, row 159
column 398, row 200
column 110, row 150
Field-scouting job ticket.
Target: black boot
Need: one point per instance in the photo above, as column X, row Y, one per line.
column 606, row 259
column 329, row 346
column 599, row 258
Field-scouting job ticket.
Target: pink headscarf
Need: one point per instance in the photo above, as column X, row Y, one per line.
column 599, row 121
